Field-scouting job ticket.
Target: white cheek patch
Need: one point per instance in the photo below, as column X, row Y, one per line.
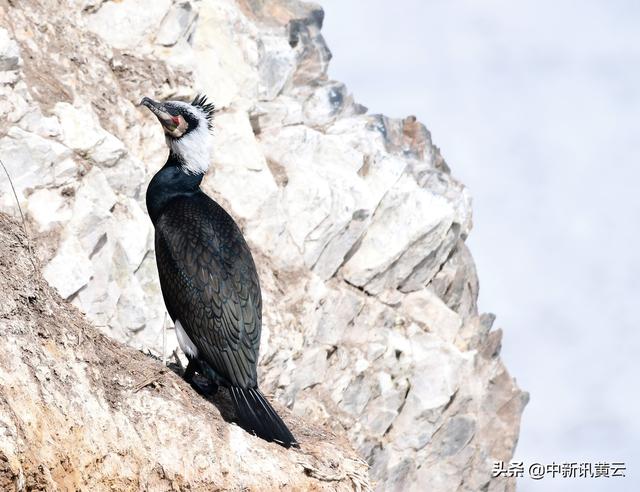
column 193, row 147
column 186, row 345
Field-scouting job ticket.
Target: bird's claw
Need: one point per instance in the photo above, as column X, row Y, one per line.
column 204, row 389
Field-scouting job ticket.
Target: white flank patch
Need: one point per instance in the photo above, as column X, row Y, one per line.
column 195, row 147
column 185, row 342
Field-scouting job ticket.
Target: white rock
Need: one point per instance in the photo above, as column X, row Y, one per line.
column 336, row 310
column 128, row 176
column 313, row 367
column 356, row 395
column 226, row 40
column 99, row 297
column 178, row 23
column 455, row 193
column 148, row 280
column 108, row 151
column 70, row 269
column 311, row 50
column 409, row 223
column 321, row 200
column 48, row 208
column 282, row 111
column 381, row 411
column 81, row 131
column 132, row 230
column 31, row 162
column 128, row 24
column 431, row 264
column 268, row 231
column 428, row 309
column 381, row 172
column 131, row 308
column 45, row 126
column 240, row 172
column 9, row 52
column 65, row 171
column 361, row 132
column 277, row 64
column 325, row 104
column 435, row 378
column 92, row 209
column 13, row 99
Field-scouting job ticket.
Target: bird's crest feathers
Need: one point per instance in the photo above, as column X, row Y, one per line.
column 209, row 109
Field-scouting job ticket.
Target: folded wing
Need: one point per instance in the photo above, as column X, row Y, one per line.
column 209, row 282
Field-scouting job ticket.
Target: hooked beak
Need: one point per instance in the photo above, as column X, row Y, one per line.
column 158, row 109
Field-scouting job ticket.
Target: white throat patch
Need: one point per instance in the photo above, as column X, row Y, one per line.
column 194, row 148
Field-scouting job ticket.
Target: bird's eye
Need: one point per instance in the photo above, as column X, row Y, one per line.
column 176, row 120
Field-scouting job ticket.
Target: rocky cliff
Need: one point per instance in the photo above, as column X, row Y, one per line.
column 357, row 226
column 81, row 411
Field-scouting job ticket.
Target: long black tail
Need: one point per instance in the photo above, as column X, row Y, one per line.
column 258, row 416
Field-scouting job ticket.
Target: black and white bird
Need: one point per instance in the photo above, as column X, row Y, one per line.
column 207, row 274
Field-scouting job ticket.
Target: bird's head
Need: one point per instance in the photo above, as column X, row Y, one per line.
column 187, row 128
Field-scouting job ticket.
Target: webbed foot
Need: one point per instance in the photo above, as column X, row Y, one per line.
column 203, row 388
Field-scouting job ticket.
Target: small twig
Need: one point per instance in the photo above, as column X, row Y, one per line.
column 144, row 384
column 349, row 469
column 164, row 339
column 322, row 475
column 175, row 386
column 177, row 359
column 149, row 381
column 24, row 224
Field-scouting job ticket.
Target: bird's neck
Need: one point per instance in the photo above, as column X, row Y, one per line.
column 172, row 181
column 193, row 150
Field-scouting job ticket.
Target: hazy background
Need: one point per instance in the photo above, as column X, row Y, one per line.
column 536, row 107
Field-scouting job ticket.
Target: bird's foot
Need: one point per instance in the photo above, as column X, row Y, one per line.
column 204, row 389
column 207, row 388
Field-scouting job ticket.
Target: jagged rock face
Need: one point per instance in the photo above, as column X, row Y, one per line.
column 356, row 224
column 81, row 411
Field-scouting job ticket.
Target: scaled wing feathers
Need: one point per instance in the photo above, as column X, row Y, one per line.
column 209, row 282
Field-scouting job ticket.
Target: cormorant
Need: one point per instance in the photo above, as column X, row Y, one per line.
column 207, row 274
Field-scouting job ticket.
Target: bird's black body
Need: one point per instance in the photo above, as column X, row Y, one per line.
column 211, row 289
column 208, row 278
